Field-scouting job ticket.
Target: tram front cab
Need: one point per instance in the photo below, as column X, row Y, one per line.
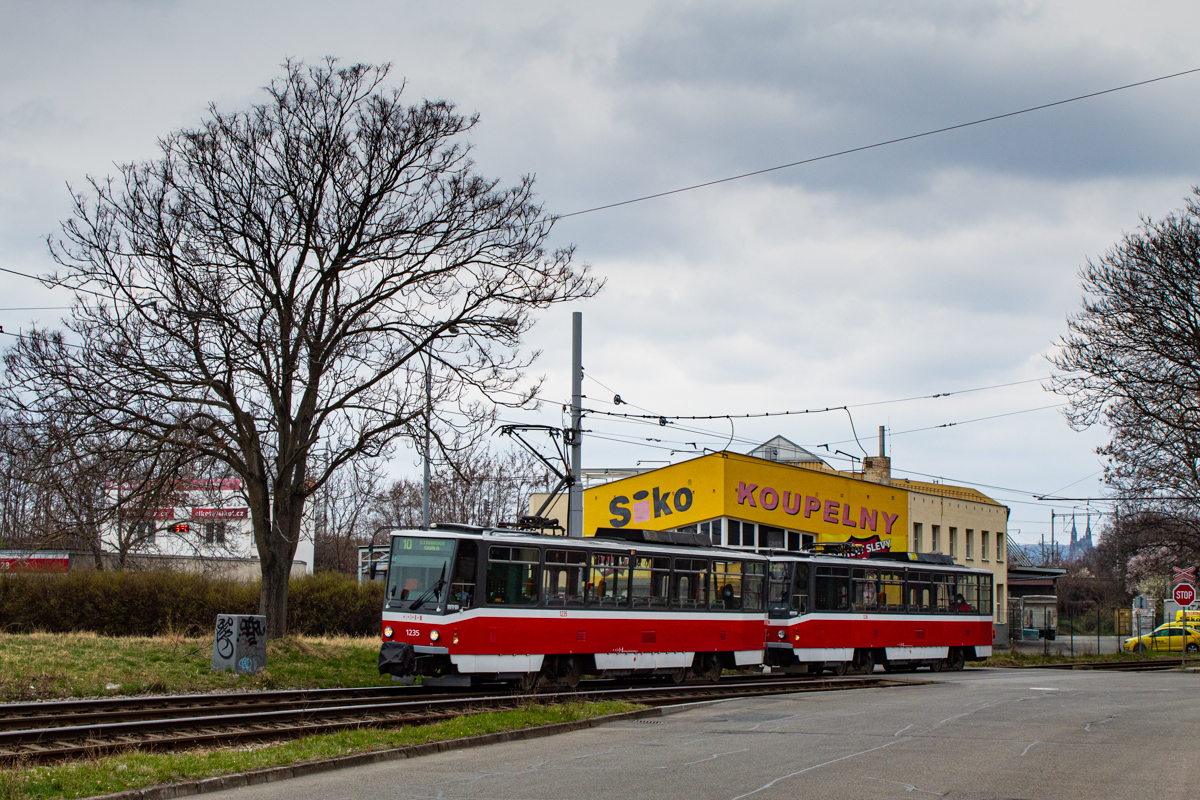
column 430, row 582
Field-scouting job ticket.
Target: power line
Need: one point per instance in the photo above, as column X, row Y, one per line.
column 763, row 414
column 878, row 144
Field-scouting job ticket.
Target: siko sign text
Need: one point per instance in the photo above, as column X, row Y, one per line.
column 648, row 505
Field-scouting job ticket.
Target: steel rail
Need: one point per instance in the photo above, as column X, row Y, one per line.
column 171, row 732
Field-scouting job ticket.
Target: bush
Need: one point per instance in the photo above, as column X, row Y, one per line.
column 154, row 603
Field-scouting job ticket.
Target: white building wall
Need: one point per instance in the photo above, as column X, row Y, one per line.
column 186, row 530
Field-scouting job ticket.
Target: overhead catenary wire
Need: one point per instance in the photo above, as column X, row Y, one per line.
column 885, row 143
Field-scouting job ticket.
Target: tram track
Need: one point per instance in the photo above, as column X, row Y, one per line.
column 1119, row 666
column 34, row 732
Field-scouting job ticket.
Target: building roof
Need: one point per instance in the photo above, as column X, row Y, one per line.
column 785, row 451
column 942, row 490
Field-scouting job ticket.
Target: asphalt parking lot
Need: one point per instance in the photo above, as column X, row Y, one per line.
column 979, row 734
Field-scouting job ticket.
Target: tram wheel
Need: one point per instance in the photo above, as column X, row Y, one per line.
column 839, row 668
column 936, row 666
column 678, row 676
column 531, row 682
column 712, row 669
column 571, row 670
column 956, row 661
column 864, row 662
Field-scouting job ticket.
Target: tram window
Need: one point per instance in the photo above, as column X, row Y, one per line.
column 562, row 579
column 419, row 570
column 608, row 580
column 689, row 584
column 800, row 588
column 891, row 591
column 943, row 592
column 866, row 590
column 727, row 585
column 831, row 589
column 752, row 586
column 985, row 594
column 966, row 594
column 512, row 575
column 779, row 587
column 735, row 533
column 919, row 591
column 462, row 580
column 651, row 575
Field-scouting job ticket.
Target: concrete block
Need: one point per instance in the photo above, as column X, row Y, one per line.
column 240, row 643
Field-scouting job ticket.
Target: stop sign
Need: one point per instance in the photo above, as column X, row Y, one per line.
column 1184, row 594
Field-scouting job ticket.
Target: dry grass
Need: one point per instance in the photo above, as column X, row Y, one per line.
column 41, row 666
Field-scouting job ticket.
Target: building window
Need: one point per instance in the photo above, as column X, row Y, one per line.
column 716, row 531
column 935, row 535
column 748, row 534
column 983, row 545
column 970, row 544
column 793, row 540
column 954, row 542
column 769, row 537
column 214, row 533
column 916, row 542
column 999, row 546
column 1000, row 602
column 142, row 532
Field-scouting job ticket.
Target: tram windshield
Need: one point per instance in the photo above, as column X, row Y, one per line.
column 419, row 573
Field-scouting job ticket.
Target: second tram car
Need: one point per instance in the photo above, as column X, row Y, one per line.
column 464, row 603
column 901, row 610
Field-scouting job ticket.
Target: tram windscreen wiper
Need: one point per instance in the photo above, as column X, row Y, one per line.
column 435, row 590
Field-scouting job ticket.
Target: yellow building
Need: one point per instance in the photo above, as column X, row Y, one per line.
column 781, row 497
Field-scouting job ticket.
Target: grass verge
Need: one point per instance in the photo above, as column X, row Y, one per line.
column 44, row 666
column 1015, row 659
column 135, row 770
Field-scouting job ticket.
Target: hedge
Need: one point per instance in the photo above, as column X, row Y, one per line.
column 155, row 603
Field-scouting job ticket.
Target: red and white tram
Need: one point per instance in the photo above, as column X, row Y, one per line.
column 497, row 604
column 902, row 610
column 465, row 603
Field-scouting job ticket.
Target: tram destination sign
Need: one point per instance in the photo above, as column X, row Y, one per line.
column 1184, row 594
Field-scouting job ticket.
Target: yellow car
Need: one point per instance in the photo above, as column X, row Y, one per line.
column 1166, row 637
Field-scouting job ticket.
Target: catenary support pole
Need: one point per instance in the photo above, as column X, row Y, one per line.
column 428, row 413
column 575, row 493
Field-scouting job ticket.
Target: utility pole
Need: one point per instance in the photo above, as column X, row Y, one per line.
column 428, row 412
column 575, row 491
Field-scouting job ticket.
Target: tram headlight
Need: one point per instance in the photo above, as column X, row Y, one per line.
column 782, row 635
column 388, row 632
column 454, row 638
column 434, row 636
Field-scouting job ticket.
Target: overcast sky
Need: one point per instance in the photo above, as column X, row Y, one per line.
column 943, row 264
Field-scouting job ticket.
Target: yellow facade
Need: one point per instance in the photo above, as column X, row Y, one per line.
column 826, row 505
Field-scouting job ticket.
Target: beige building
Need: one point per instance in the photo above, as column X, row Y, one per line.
column 964, row 524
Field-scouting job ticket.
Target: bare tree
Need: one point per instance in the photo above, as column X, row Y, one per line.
column 66, row 483
column 274, row 281
column 1132, row 362
column 481, row 487
column 342, row 516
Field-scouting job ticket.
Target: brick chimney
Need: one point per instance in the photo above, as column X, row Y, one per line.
column 878, row 469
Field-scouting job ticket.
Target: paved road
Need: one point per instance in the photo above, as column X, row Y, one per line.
column 979, row 734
